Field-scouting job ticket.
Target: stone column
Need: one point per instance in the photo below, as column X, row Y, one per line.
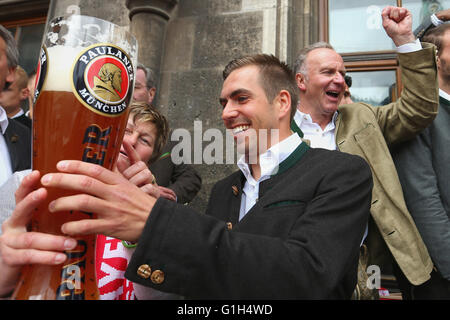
column 306, row 24
column 149, row 19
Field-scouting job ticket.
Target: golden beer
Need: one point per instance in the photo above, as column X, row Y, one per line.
column 80, row 113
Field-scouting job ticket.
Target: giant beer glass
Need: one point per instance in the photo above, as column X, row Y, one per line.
column 85, row 80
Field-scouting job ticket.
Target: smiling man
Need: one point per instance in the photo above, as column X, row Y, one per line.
column 286, row 227
column 368, row 131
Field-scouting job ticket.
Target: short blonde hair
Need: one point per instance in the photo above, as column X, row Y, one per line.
column 145, row 112
column 21, row 78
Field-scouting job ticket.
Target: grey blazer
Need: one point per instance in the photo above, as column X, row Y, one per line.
column 423, row 168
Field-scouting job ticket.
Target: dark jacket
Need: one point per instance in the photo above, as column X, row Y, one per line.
column 23, row 119
column 18, row 140
column 300, row 241
column 183, row 179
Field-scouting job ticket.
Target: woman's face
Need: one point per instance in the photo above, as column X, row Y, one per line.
column 142, row 136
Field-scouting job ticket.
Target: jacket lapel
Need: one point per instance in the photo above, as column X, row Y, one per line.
column 11, row 139
column 266, row 185
column 236, row 190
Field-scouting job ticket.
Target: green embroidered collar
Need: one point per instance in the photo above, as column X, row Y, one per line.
column 294, row 157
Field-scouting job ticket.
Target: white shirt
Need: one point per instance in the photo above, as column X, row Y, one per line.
column 435, row 20
column 269, row 163
column 18, row 114
column 5, row 161
column 444, row 95
column 313, row 132
column 410, row 47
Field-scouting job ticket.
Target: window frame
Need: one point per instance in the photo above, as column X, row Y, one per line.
column 23, row 23
column 386, row 60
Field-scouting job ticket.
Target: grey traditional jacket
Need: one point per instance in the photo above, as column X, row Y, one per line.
column 423, row 167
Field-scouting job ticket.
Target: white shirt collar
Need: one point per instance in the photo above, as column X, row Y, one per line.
column 3, row 120
column 299, row 117
column 271, row 159
column 18, row 114
column 444, row 94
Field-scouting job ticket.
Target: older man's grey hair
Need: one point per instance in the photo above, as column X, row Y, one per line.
column 149, row 76
column 300, row 63
column 12, row 53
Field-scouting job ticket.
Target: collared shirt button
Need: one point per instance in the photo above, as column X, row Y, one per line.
column 144, row 271
column 157, row 277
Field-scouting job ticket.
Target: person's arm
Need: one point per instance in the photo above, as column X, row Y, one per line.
column 201, row 257
column 186, row 183
column 424, row 200
column 417, row 107
column 199, row 254
column 433, row 21
column 176, row 180
column 19, row 247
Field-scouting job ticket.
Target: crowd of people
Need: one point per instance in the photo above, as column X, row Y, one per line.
column 342, row 180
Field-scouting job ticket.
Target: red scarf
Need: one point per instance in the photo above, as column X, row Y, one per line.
column 111, row 263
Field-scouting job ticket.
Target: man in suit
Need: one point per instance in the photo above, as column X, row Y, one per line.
column 422, row 166
column 347, row 98
column 288, row 225
column 15, row 140
column 180, row 181
column 369, row 131
column 12, row 98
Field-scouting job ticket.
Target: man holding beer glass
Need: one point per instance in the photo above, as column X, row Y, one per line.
column 310, row 235
column 145, row 135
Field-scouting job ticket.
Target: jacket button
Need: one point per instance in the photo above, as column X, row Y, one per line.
column 229, row 225
column 144, row 271
column 157, row 277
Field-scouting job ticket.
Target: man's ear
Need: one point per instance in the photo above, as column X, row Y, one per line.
column 10, row 77
column 24, row 93
column 300, row 79
column 151, row 94
column 284, row 104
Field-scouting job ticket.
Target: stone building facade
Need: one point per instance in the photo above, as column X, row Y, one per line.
column 188, row 42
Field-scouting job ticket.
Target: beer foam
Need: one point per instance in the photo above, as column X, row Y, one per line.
column 60, row 62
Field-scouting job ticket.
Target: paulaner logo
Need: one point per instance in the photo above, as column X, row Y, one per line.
column 103, row 78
